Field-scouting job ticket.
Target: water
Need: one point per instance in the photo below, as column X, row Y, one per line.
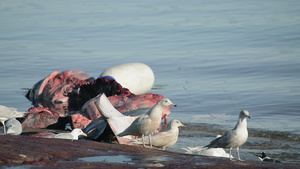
column 151, row 161
column 210, row 58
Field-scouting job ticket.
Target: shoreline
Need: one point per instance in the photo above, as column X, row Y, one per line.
column 25, row 151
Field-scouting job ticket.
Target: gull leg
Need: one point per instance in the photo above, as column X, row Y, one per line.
column 238, row 153
column 230, row 154
column 4, row 129
column 143, row 140
column 150, row 140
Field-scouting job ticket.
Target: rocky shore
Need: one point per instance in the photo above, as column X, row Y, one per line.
column 30, row 152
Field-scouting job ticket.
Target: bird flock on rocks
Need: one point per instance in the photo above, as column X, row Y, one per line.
column 148, row 123
column 144, row 126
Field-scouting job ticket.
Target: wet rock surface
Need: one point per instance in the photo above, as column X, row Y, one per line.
column 31, row 152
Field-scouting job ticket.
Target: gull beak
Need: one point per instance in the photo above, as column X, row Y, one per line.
column 182, row 125
column 85, row 135
column 174, row 105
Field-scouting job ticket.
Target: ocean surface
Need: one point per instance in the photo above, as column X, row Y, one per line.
column 211, row 58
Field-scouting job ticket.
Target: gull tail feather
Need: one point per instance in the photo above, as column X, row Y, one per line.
column 212, row 144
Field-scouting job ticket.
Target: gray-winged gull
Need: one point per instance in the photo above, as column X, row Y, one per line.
column 235, row 137
column 8, row 113
column 148, row 123
column 71, row 136
column 166, row 138
column 13, row 127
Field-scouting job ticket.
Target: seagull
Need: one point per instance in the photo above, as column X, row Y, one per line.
column 263, row 157
column 166, row 138
column 13, row 127
column 148, row 123
column 8, row 113
column 71, row 136
column 235, row 137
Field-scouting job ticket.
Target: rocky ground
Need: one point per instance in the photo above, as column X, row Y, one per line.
column 30, row 152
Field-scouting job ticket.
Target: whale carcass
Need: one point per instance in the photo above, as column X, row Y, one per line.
column 68, row 98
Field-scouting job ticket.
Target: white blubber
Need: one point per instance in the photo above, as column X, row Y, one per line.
column 137, row 77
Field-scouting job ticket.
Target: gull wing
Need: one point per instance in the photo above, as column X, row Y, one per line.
column 116, row 120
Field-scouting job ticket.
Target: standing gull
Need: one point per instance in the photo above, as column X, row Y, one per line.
column 166, row 138
column 235, row 137
column 148, row 123
column 8, row 113
column 71, row 136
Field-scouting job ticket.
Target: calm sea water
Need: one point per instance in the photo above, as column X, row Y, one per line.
column 212, row 58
